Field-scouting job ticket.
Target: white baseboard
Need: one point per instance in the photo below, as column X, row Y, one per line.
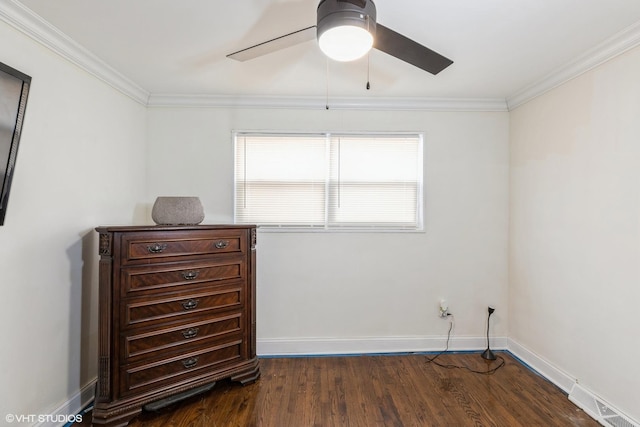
column 369, row 345
column 59, row 416
column 558, row 377
column 585, row 399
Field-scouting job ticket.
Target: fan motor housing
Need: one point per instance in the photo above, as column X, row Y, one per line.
column 333, row 13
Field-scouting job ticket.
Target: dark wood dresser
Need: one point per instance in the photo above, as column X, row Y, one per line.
column 176, row 313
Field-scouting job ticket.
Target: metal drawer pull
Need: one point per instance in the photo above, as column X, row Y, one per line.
column 190, row 275
column 190, row 333
column 190, row 305
column 156, row 248
column 190, row 363
column 221, row 244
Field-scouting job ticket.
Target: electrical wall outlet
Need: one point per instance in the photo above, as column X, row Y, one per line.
column 443, row 308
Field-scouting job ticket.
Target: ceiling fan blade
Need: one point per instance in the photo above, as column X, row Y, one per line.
column 273, row 45
column 395, row 44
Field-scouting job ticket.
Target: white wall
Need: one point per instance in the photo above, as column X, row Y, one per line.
column 575, row 230
column 377, row 291
column 81, row 163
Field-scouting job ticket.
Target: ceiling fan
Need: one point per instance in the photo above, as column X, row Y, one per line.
column 346, row 30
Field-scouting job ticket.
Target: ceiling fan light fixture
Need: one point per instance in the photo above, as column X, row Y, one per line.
column 346, row 28
column 345, row 42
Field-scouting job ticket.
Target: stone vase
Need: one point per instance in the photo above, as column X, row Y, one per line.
column 177, row 211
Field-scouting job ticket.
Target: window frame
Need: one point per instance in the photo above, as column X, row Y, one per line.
column 325, row 228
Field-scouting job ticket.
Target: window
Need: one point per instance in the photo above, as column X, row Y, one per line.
column 329, row 181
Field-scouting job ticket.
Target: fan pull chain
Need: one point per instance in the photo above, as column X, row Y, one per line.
column 368, row 71
column 327, row 100
column 368, row 54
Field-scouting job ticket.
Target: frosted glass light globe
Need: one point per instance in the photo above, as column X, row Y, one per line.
column 346, row 42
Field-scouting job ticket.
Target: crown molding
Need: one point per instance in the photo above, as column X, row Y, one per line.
column 618, row 44
column 24, row 20
column 320, row 103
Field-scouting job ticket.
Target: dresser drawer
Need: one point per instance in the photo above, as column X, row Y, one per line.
column 179, row 368
column 138, row 311
column 144, row 343
column 173, row 276
column 161, row 247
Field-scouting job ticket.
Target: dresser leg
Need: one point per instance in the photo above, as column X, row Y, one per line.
column 249, row 376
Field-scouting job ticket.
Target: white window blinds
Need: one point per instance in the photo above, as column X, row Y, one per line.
column 329, row 181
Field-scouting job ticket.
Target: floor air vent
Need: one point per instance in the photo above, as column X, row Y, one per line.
column 602, row 412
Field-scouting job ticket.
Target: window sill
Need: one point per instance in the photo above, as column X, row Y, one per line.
column 367, row 230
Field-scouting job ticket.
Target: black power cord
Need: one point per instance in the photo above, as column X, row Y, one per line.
column 501, row 361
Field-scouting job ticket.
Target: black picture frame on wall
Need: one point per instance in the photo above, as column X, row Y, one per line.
column 14, row 91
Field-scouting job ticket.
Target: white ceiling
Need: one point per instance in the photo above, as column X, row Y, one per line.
column 499, row 47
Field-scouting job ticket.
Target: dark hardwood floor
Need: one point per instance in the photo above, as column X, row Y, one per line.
column 368, row 391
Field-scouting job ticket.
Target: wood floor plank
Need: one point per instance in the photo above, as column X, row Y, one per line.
column 369, row 391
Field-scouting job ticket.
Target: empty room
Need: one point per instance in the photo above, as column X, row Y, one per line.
column 320, row 213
